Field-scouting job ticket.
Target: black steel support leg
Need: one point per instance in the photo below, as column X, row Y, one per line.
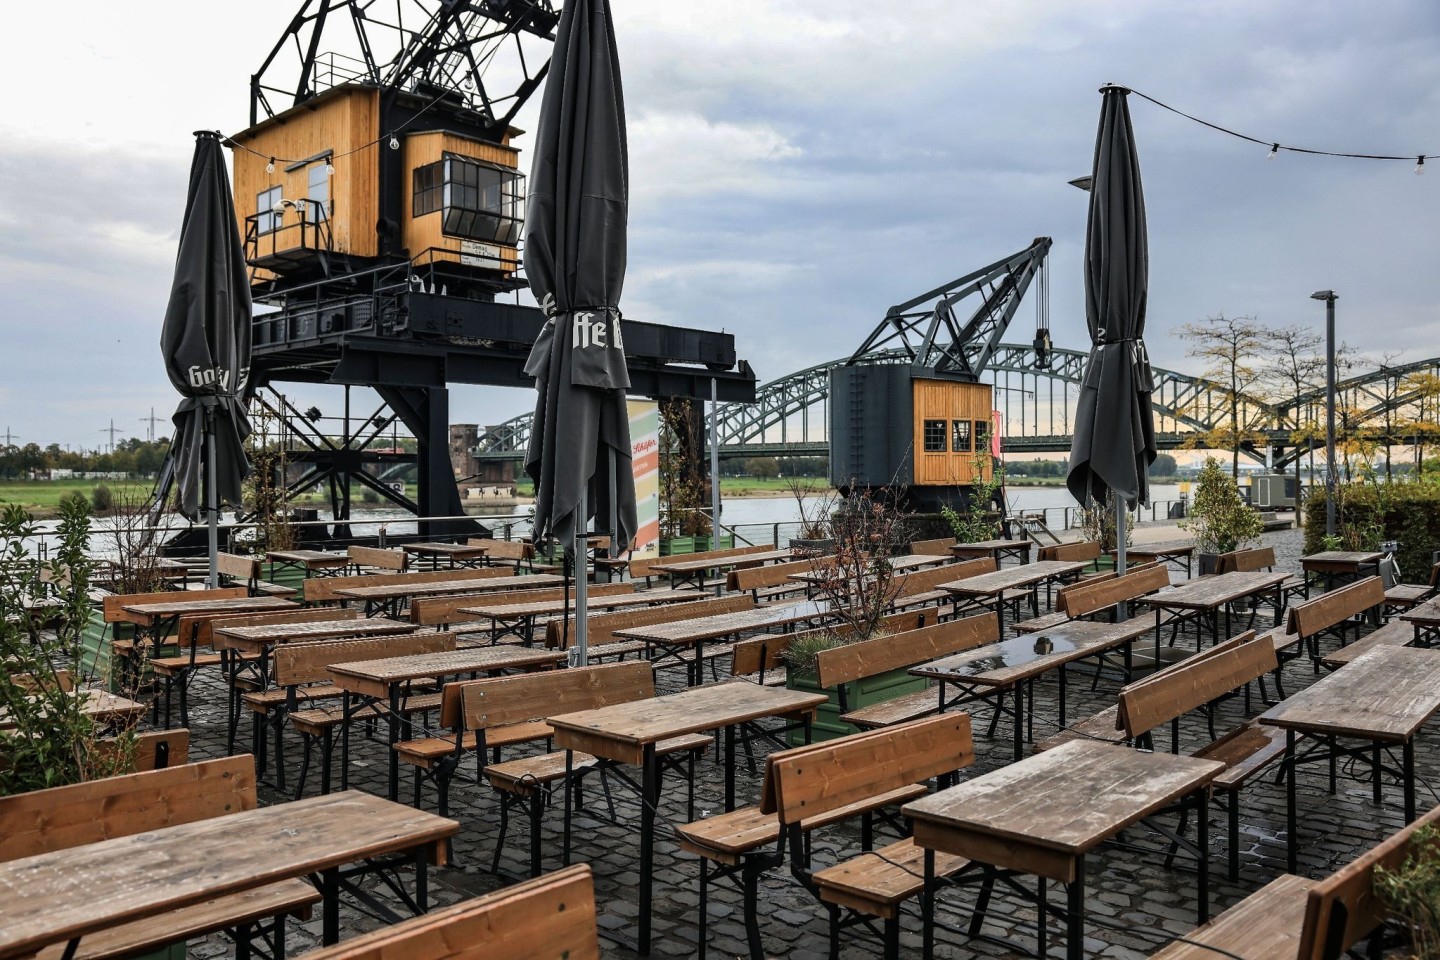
column 1075, row 916
column 927, row 908
column 1291, row 848
column 330, row 907
column 650, row 797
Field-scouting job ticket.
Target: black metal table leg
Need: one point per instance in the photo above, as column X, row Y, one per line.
column 1407, row 755
column 650, row 788
column 1075, row 913
column 1202, row 841
column 1291, row 849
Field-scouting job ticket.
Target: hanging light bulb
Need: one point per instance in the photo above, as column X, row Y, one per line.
column 394, row 143
column 329, row 169
column 270, row 167
column 1420, row 166
column 1274, row 151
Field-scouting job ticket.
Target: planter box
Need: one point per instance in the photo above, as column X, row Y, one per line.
column 674, row 546
column 862, row 693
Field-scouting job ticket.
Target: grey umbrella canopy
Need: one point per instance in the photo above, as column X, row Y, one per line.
column 1114, row 442
column 206, row 339
column 575, row 225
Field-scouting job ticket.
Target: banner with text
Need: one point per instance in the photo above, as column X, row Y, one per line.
column 645, row 460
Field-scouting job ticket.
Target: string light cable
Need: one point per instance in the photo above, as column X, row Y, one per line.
column 1276, row 146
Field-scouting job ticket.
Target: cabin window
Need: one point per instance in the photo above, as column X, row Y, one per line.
column 266, row 219
column 982, row 435
column 317, row 190
column 477, row 200
column 934, row 436
column 960, row 436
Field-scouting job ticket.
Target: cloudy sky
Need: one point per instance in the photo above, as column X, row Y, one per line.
column 797, row 167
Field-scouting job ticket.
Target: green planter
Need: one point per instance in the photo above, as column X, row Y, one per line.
column 861, row 693
column 284, row 575
column 674, row 546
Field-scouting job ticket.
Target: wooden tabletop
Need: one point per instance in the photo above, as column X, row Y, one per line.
column 726, row 624
column 989, row 546
column 1064, row 801
column 1171, row 548
column 681, row 565
column 440, row 588
column 98, row 705
column 373, row 678
column 150, row 612
column 1031, row 654
column 989, row 584
column 622, row 731
column 256, row 638
column 904, row 563
column 1340, row 558
column 457, row 551
column 57, row 896
column 311, row 559
column 509, row 611
column 1425, row 614
column 1209, row 593
column 1386, row 694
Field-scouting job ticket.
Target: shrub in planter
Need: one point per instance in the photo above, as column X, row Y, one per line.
column 1219, row 519
column 1367, row 513
column 1412, row 893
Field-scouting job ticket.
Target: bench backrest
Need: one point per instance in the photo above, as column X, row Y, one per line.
column 322, row 589
column 1090, row 596
column 812, row 780
column 727, row 554
column 549, row 916
column 603, row 626
column 309, row 662
column 499, row 701
column 1249, row 560
column 1337, row 606
column 1160, row 698
column 1080, row 551
column 923, row 581
column 504, row 549
column 774, row 574
column 115, row 601
column 206, row 632
column 434, row 611
column 767, row 651
column 63, row 817
column 246, row 569
column 1343, row 908
column 933, row 548
column 379, row 557
column 855, row 661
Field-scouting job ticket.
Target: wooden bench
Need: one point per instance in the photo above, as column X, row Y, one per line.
column 1256, row 559
column 773, row 580
column 1396, row 633
column 44, row 821
column 1292, row 918
column 378, row 558
column 1328, row 615
column 246, row 570
column 444, row 612
column 302, row 676
column 323, row 589
column 1080, row 551
column 742, row 844
column 1197, row 683
column 550, row 916
column 178, row 670
column 933, row 548
column 853, row 770
column 524, row 783
column 1058, row 615
column 763, row 657
column 867, row 658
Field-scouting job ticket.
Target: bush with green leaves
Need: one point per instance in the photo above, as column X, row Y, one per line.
column 44, row 606
column 1412, row 893
column 978, row 521
column 1219, row 519
column 1369, row 512
column 102, row 498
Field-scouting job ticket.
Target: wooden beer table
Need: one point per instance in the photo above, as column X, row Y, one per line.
column 999, row 549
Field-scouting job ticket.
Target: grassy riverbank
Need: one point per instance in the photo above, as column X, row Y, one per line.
column 42, row 497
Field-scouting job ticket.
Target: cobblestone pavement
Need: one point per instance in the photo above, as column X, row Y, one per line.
column 1135, row 903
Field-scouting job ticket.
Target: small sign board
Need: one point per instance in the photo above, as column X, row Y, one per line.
column 473, row 253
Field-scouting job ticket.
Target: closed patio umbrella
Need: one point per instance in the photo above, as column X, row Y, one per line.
column 1114, row 441
column 205, row 342
column 575, row 236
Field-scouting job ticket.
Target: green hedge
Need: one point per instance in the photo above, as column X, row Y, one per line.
column 1371, row 512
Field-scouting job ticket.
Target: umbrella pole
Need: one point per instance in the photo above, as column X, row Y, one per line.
column 1120, row 519
column 212, row 500
column 580, row 653
column 715, row 473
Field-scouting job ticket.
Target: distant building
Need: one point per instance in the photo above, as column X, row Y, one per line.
column 469, row 470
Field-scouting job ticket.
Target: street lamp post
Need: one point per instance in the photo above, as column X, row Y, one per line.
column 1329, row 297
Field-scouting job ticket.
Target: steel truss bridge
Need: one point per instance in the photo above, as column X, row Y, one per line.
column 789, row 415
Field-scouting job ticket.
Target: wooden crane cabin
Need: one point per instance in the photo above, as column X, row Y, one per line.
column 322, row 190
column 893, row 426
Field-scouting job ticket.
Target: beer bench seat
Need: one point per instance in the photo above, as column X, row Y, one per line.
column 1331, row 614
column 1396, row 633
column 63, row 817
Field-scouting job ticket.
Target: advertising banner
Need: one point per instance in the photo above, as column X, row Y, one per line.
column 645, row 459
